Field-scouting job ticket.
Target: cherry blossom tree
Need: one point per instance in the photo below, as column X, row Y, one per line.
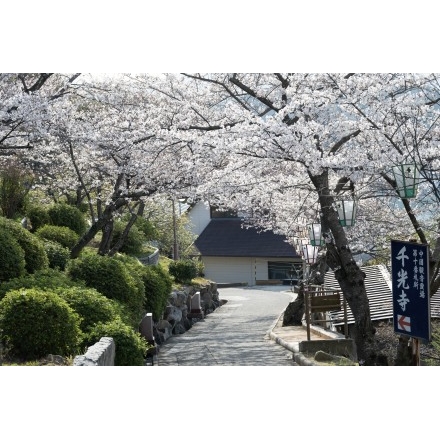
column 287, row 146
column 110, row 144
column 24, row 102
column 284, row 148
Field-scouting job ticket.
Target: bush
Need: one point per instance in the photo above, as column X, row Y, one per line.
column 134, row 241
column 62, row 214
column 34, row 254
column 92, row 306
column 36, row 323
column 113, row 279
column 57, row 254
column 158, row 286
column 46, row 279
column 15, row 183
column 60, row 234
column 131, row 348
column 12, row 261
column 183, row 271
column 38, row 217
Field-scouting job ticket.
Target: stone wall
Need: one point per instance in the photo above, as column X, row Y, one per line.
column 101, row 354
column 178, row 318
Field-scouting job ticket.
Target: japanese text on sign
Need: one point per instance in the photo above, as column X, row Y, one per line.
column 410, row 285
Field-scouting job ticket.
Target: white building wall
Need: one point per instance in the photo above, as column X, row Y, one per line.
column 230, row 269
column 238, row 269
column 261, row 271
column 199, row 216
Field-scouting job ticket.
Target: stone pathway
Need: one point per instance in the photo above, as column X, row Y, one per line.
column 235, row 334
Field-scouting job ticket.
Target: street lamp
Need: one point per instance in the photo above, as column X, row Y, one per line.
column 299, row 242
column 310, row 253
column 315, row 235
column 407, row 179
column 346, row 211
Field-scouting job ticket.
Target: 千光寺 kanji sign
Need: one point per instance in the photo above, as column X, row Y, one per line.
column 410, row 283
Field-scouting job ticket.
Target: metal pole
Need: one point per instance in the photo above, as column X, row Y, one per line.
column 345, row 317
column 175, row 245
column 306, row 300
column 415, row 346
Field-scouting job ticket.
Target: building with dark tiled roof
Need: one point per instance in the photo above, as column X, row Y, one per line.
column 232, row 253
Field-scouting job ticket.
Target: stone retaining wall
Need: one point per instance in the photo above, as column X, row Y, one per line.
column 178, row 318
column 101, row 354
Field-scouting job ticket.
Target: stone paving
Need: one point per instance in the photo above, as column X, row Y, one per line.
column 235, row 334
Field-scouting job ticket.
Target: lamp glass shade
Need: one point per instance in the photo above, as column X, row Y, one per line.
column 346, row 212
column 315, row 235
column 299, row 242
column 407, row 177
column 310, row 253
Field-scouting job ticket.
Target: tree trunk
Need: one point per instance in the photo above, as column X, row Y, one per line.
column 347, row 273
column 124, row 235
column 103, row 219
column 107, row 234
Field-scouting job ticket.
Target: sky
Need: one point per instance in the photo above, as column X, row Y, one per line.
column 234, row 35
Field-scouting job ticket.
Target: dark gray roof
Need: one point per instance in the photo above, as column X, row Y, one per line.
column 227, row 238
column 379, row 292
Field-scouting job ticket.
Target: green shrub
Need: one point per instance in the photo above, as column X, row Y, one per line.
column 34, row 255
column 46, row 279
column 12, row 261
column 60, row 234
column 62, row 214
column 58, row 255
column 131, row 348
column 134, row 241
column 113, row 279
column 92, row 306
column 183, row 271
column 200, row 267
column 158, row 286
column 38, row 217
column 36, row 323
column 15, row 183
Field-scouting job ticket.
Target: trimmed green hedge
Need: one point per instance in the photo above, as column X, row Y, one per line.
column 57, row 254
column 60, row 234
column 113, row 279
column 158, row 286
column 36, row 323
column 12, row 261
column 63, row 214
column 183, row 271
column 92, row 306
column 46, row 279
column 131, row 347
column 34, row 253
column 38, row 217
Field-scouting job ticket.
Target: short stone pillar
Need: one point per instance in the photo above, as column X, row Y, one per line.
column 196, row 307
column 146, row 327
column 146, row 331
